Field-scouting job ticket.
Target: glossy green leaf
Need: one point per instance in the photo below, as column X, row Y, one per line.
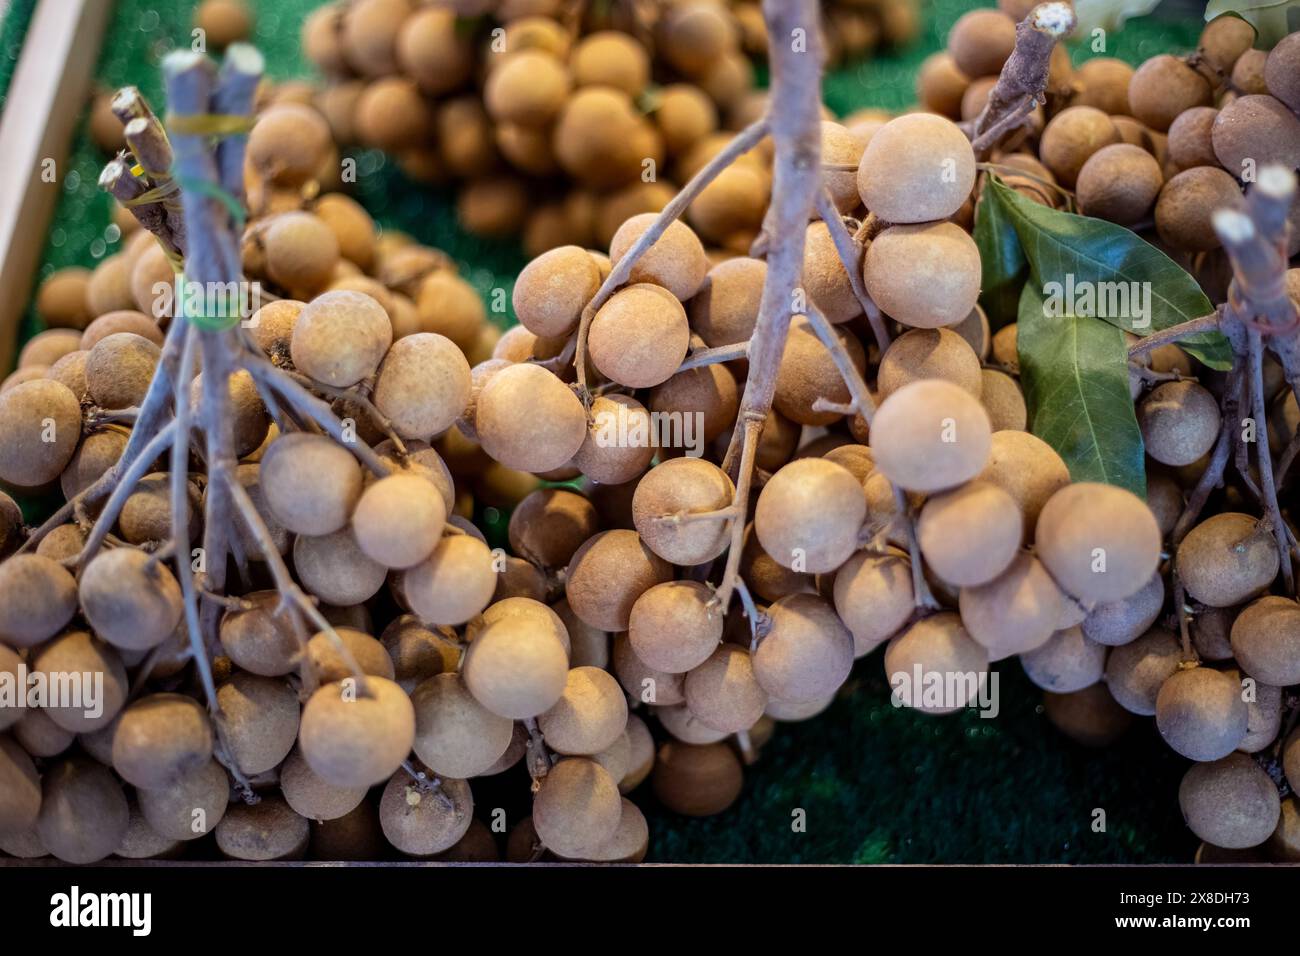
column 1074, row 370
column 1090, row 267
column 1003, row 266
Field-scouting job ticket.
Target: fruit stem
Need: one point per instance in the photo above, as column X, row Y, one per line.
column 921, row 592
column 850, row 253
column 1206, row 323
column 862, row 402
column 722, row 353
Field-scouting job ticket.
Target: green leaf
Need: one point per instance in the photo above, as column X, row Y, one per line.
column 1090, row 267
column 1003, row 266
column 1074, row 370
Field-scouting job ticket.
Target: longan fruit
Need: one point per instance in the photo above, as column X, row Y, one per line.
column 640, row 336
column 825, row 279
column 120, row 320
column 644, row 683
column 1248, row 74
column 724, row 693
column 1281, row 70
column 809, row 514
column 839, row 147
column 340, row 338
column 77, row 652
column 930, row 435
column 119, row 369
column 454, row 583
column 529, row 420
column 330, row 665
column 917, row 168
column 301, row 252
column 693, row 35
column 1162, row 88
column 925, row 276
column 1103, row 83
column 1255, row 131
column 61, row 298
column 552, row 290
column 1015, row 612
column 530, row 88
column 1089, row 716
column 1136, row 671
column 679, row 486
column 1114, row 623
column 674, row 627
column 455, row 735
column 971, row 534
column 224, row 21
column 110, row 285
column 448, row 305
column 419, row 651
column 1200, row 713
column 601, row 140
column 1119, row 183
column 1100, row 542
column 260, row 720
column 352, row 738
column 807, row 652
column 1223, row 40
column 589, row 717
column 1003, row 401
column 312, row 797
column 1266, row 640
column 263, row 831
column 423, row 385
column 45, row 348
column 516, row 667
column 1066, row 663
column 310, row 484
column 697, row 780
column 40, row 425
column 20, row 788
column 937, row 644
column 676, row 260
column 37, row 598
column 1190, row 138
column 1230, row 802
column 808, row 372
column 335, row 569
column 84, row 812
column 707, row 396
column 729, row 210
column 1291, row 758
column 940, row 84
column 577, row 807
column 431, row 49
column 928, row 353
column 258, row 637
column 130, row 600
column 630, row 840
column 399, row 520
column 1179, row 422
column 1227, row 559
column 980, row 42
column 1263, row 712
column 1072, row 137
column 684, row 115
column 159, row 739
column 288, row 144
column 40, row 736
column 550, row 524
column 98, row 452
column 873, row 597
column 611, row 58
column 369, row 35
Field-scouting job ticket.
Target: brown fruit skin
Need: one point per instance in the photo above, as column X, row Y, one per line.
column 1179, row 422
column 606, row 576
column 130, row 601
column 577, row 807
column 552, row 290
column 1282, row 71
column 26, row 459
column 971, row 534
column 928, row 353
column 550, row 524
column 1119, row 622
column 930, row 435
column 1186, row 203
column 691, row 485
column 1084, row 517
column 77, row 652
column 1190, row 141
column 697, row 781
column 1255, row 131
column 1266, row 640
column 161, row 738
column 20, row 787
column 1067, row 662
column 807, row 372
column 807, row 653
column 925, row 275
column 810, row 513
column 676, row 260
column 1090, row 716
column 639, row 337
column 1227, row 560
column 873, row 597
column 1072, row 137
column 1014, row 613
column 1119, row 183
column 84, row 812
column 1200, row 713
column 723, row 693
column 1231, row 802
column 529, row 420
column 1162, row 88
column 981, row 40
column 672, row 627
column 917, row 168
column 940, row 84
column 1222, row 41
column 432, row 51
column 38, row 596
column 938, row 643
column 1103, row 83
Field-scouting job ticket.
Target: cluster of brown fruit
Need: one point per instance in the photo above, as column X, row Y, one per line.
column 557, row 127
column 1159, row 149
column 850, row 28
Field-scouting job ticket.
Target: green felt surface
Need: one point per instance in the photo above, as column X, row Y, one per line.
column 876, row 783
